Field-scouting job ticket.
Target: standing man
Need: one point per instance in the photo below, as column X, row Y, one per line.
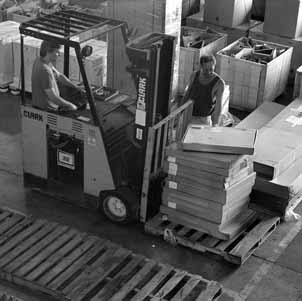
column 45, row 90
column 206, row 90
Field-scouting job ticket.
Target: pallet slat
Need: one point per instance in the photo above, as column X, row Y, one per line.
column 153, row 283
column 133, row 282
column 100, row 271
column 53, row 259
column 255, row 238
column 213, row 290
column 68, row 260
column 186, row 290
column 85, row 274
column 19, row 261
column 10, row 222
column 77, row 266
column 169, row 285
column 38, row 258
column 112, row 287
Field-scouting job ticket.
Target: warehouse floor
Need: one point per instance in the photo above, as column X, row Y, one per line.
column 273, row 272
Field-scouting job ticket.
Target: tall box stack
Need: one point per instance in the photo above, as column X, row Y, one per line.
column 230, row 13
column 9, row 31
column 283, row 18
column 196, row 42
column 257, row 71
column 142, row 17
column 208, row 191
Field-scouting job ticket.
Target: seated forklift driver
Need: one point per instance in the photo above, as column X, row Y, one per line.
column 206, row 90
column 45, row 91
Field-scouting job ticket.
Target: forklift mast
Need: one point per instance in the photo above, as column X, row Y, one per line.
column 151, row 68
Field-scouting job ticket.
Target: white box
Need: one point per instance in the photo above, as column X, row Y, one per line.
column 228, row 13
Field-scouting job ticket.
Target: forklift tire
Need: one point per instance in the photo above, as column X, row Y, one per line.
column 119, row 206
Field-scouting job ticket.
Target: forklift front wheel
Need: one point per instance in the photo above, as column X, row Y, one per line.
column 119, row 207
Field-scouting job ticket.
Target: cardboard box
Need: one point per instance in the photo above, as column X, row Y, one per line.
column 201, row 192
column 217, row 214
column 219, row 139
column 229, row 164
column 283, row 18
column 229, row 13
column 204, row 176
column 286, row 185
column 275, row 151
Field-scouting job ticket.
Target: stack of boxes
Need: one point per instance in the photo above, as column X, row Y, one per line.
column 208, row 191
column 31, row 52
column 9, row 31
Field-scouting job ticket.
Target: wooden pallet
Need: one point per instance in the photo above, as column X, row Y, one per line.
column 69, row 265
column 236, row 250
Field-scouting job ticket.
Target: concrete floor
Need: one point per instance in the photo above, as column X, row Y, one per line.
column 274, row 272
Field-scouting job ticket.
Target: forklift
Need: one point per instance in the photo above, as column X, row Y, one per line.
column 109, row 153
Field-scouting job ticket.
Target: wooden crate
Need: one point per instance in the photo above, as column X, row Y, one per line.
column 67, row 264
column 230, row 13
column 296, row 61
column 253, row 83
column 189, row 56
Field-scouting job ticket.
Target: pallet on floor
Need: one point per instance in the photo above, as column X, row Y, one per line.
column 70, row 265
column 236, row 250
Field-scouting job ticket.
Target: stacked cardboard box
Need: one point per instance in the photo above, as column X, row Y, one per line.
column 9, row 31
column 207, row 191
column 278, row 161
